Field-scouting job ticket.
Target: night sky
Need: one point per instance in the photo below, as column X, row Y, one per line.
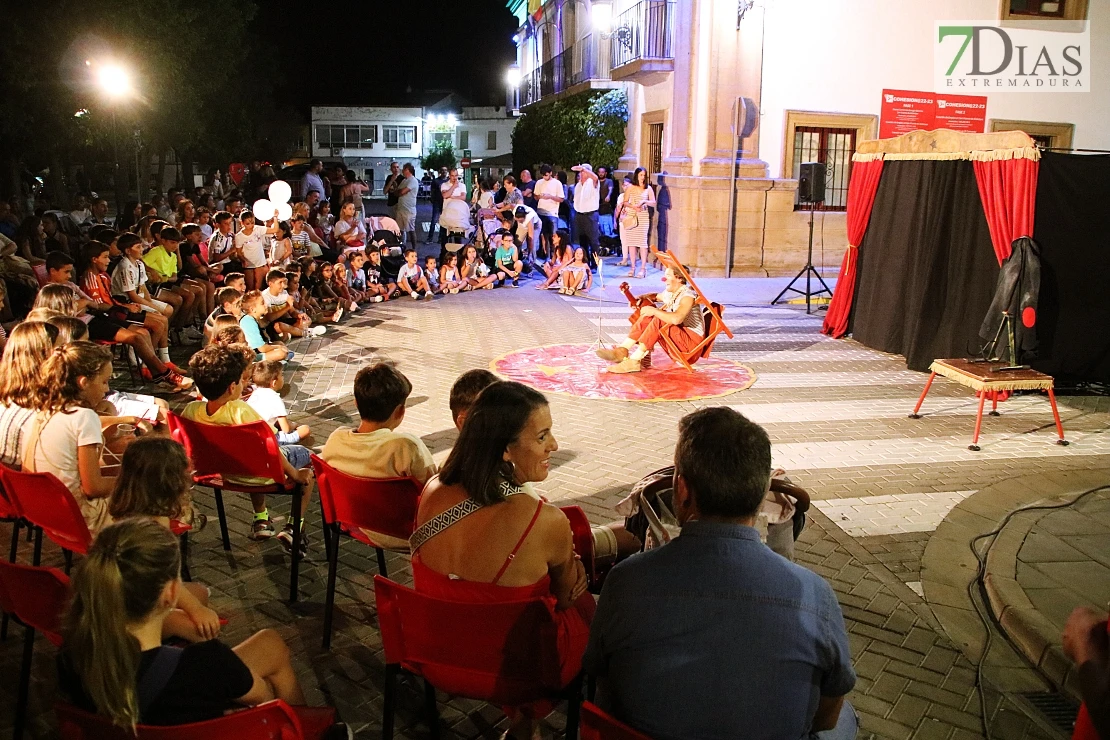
column 387, row 51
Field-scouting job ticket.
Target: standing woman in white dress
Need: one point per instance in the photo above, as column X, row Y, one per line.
column 634, row 219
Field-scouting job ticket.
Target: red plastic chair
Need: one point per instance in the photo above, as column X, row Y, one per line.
column 583, row 536
column 35, row 597
column 250, row 451
column 598, row 725
column 480, row 656
column 44, row 501
column 351, row 504
column 274, row 720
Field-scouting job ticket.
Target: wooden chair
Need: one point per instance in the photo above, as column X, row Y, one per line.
column 221, row 453
column 350, row 505
column 35, row 597
column 712, row 317
column 481, row 656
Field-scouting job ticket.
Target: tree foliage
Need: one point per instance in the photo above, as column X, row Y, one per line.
column 589, row 127
column 442, row 154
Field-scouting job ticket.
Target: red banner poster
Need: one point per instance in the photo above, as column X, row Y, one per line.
column 967, row 113
column 905, row 111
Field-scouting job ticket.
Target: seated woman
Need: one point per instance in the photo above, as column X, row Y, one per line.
column 112, row 652
column 677, row 318
column 482, row 535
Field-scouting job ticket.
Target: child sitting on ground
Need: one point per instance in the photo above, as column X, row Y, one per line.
column 356, row 277
column 410, row 278
column 218, row 372
column 229, row 302
column 431, row 273
column 450, row 279
column 378, row 286
column 339, row 286
column 266, row 400
column 282, row 320
column 374, row 449
column 154, row 482
column 576, row 276
column 254, row 310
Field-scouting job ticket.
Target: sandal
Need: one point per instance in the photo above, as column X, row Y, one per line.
column 631, row 274
column 643, row 273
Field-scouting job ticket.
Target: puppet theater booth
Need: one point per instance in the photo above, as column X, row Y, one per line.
column 931, row 218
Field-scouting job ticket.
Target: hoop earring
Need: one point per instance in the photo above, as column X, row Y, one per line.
column 510, row 475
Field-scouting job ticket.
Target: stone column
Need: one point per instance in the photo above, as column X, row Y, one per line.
column 630, row 160
column 679, row 160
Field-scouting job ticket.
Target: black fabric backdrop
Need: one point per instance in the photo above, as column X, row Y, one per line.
column 927, row 269
column 1073, row 195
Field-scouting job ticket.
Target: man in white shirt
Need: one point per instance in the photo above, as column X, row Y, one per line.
column 549, row 194
column 405, row 211
column 586, row 202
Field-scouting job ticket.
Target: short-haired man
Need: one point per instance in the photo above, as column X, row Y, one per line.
column 550, row 195
column 312, row 180
column 375, row 449
column 404, row 213
column 586, row 203
column 713, row 634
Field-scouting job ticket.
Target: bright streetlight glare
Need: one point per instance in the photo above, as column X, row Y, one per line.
column 512, row 76
column 113, row 80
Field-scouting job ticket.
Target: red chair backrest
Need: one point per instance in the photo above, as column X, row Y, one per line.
column 36, row 596
column 713, row 327
column 7, row 506
column 583, row 537
column 274, row 720
column 386, row 505
column 597, row 725
column 246, row 451
column 43, row 500
column 495, row 652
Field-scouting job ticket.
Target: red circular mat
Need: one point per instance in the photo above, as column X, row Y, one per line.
column 574, row 369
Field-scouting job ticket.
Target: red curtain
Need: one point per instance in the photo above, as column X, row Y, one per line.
column 1008, row 189
column 861, row 197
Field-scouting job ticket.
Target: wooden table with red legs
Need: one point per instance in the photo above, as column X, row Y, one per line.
column 990, row 381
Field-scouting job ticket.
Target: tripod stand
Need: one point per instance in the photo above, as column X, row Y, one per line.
column 809, row 271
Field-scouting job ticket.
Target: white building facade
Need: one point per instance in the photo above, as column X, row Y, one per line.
column 816, row 69
column 366, row 139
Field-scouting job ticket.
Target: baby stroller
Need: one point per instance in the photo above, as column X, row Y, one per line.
column 649, row 512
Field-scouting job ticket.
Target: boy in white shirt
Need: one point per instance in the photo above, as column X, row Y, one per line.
column 267, row 401
column 411, row 279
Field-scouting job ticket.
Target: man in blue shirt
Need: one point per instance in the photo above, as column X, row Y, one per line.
column 714, row 635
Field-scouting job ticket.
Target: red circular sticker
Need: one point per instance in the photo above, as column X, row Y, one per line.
column 1029, row 317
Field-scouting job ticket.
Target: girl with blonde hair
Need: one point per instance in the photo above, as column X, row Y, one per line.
column 30, row 343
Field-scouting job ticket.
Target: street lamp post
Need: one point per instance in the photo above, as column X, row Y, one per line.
column 115, row 82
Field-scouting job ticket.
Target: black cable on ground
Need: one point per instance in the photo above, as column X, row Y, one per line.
column 988, row 619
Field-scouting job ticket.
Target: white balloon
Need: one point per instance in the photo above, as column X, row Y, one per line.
column 284, row 211
column 279, row 192
column 263, row 210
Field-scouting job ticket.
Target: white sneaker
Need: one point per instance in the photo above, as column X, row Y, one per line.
column 317, row 331
column 414, row 295
column 353, row 306
column 377, row 299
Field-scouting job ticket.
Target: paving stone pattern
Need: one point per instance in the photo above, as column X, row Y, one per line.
column 835, row 412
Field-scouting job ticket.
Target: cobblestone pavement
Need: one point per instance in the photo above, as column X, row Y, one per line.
column 836, row 413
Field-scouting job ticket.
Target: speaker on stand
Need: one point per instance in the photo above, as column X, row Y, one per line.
column 811, row 191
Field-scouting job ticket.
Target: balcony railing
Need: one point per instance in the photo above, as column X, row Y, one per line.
column 644, row 31
column 577, row 65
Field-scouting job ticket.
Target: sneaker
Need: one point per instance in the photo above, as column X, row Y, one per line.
column 191, row 335
column 353, row 307
column 429, row 295
column 453, row 291
column 317, row 331
column 377, row 299
column 173, row 382
column 285, row 537
column 263, row 529
column 516, row 282
column 414, row 295
column 615, row 354
column 289, row 355
column 175, row 368
column 337, row 315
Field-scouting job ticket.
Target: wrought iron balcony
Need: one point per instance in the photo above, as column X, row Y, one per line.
column 580, row 67
column 643, row 42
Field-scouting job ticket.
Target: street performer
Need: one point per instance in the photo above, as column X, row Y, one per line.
column 676, row 316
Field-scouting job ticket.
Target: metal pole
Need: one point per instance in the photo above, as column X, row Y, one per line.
column 736, row 123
